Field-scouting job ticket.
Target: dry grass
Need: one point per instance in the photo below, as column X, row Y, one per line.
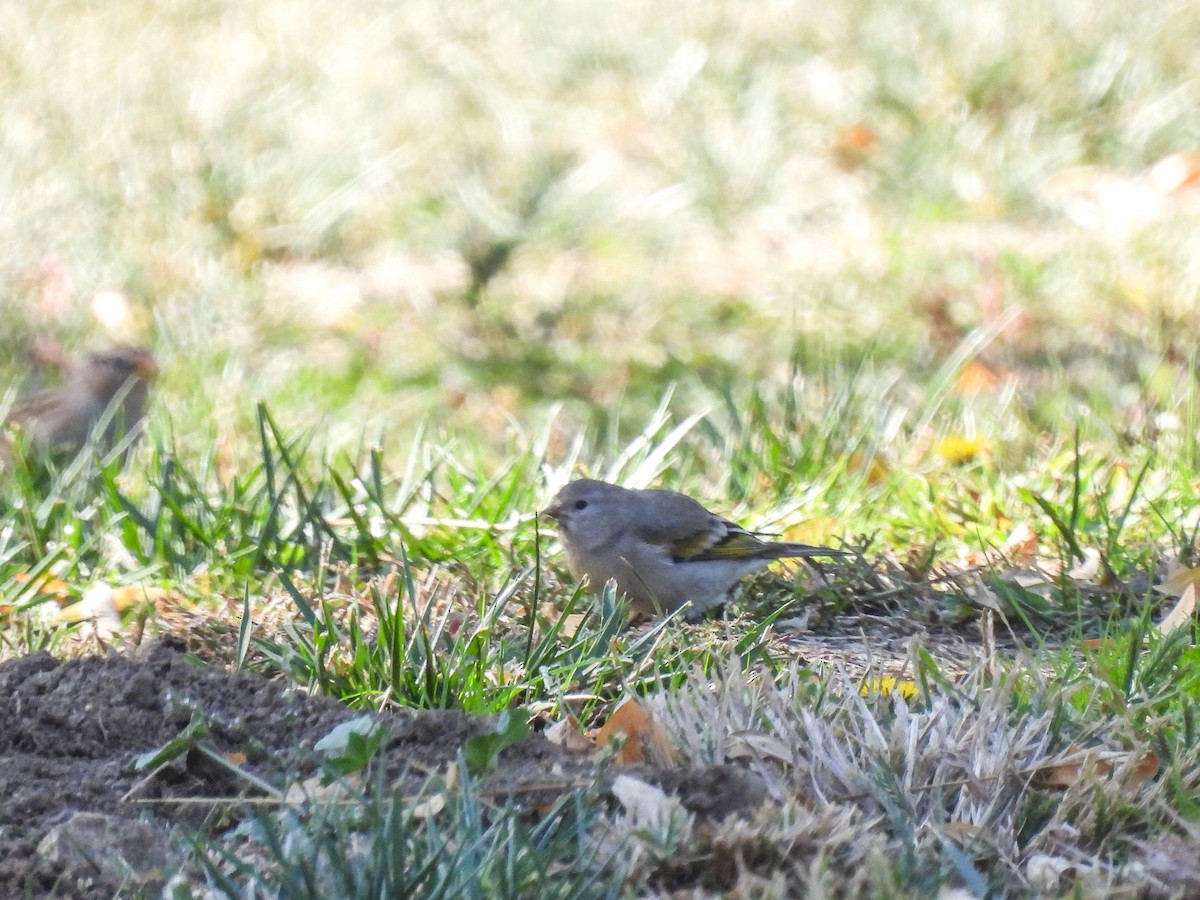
column 982, row 783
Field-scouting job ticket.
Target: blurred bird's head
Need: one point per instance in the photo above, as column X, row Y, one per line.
column 107, row 371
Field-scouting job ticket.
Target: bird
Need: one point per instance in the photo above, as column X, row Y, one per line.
column 662, row 549
column 61, row 419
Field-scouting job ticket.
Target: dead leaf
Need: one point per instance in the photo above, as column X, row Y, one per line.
column 855, row 146
column 314, row 790
column 793, row 625
column 44, row 584
column 1176, row 173
column 1179, row 579
column 755, row 745
column 859, row 137
column 1104, row 199
column 1033, row 580
column 987, row 598
column 641, row 732
column 1087, row 570
column 1070, row 769
column 127, row 597
column 977, row 377
column 570, row 625
column 647, row 805
column 106, row 608
column 567, row 734
column 342, row 583
column 964, row 832
column 97, row 607
column 429, row 807
column 1021, row 545
column 1182, row 613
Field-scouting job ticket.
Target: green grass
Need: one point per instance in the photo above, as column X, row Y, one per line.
column 408, row 269
column 470, row 850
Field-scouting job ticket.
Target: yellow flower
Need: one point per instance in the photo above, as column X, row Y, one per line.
column 957, row 449
column 885, row 684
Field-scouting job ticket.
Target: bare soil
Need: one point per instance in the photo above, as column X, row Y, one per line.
column 69, row 731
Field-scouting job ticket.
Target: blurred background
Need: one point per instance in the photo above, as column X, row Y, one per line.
column 376, row 214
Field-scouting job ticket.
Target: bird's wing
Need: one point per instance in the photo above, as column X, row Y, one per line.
column 689, row 532
column 731, row 541
column 675, row 522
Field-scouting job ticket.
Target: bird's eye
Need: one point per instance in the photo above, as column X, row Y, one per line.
column 581, row 504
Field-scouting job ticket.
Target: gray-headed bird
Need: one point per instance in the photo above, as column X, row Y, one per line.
column 662, row 549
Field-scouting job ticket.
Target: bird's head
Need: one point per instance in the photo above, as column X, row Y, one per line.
column 586, row 509
column 108, row 370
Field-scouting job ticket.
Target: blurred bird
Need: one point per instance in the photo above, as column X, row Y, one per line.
column 62, row 418
column 661, row 548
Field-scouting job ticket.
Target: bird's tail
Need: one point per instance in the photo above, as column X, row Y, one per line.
column 786, row 550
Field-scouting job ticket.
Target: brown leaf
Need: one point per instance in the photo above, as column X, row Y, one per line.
column 97, row 607
column 859, row 137
column 964, row 832
column 568, row 626
column 754, row 745
column 1178, row 580
column 45, row 584
column 1089, row 568
column 1021, row 545
column 1074, row 767
column 126, row 597
column 104, row 603
column 977, row 377
column 429, row 807
column 567, row 734
column 1176, row 173
column 855, row 146
column 1182, row 613
column 641, row 732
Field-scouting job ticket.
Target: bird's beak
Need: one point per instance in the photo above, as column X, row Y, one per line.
column 553, row 511
column 146, row 367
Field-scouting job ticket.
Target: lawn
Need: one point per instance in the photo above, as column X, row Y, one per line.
column 918, row 280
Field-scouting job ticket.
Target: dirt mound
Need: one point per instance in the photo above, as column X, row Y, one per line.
column 69, row 731
column 77, row 820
